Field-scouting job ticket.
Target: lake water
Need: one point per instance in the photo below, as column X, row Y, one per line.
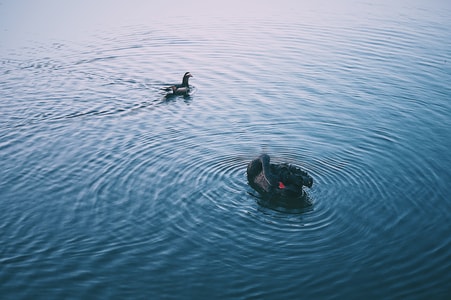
column 109, row 191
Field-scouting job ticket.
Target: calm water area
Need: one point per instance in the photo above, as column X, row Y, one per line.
column 109, row 190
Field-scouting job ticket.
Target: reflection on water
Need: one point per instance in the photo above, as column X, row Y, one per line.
column 110, row 189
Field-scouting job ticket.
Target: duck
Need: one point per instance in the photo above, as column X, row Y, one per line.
column 180, row 89
column 277, row 180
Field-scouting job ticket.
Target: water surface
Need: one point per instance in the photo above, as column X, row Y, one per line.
column 109, row 190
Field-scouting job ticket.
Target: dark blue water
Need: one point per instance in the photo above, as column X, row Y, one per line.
column 110, row 191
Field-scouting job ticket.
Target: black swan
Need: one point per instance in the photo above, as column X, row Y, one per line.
column 180, row 89
column 277, row 181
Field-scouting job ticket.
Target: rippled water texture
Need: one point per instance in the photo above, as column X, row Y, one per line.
column 108, row 190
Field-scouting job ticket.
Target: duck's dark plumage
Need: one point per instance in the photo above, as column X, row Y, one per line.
column 180, row 89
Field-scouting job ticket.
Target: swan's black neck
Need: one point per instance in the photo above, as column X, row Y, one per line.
column 265, row 160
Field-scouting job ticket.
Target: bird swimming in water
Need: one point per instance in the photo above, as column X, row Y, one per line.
column 180, row 89
column 277, row 180
column 280, row 185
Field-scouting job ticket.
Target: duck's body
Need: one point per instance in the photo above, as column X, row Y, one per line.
column 277, row 180
column 180, row 89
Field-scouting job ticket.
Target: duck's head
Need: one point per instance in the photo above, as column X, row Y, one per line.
column 186, row 78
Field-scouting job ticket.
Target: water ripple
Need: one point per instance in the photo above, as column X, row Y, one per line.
column 104, row 181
